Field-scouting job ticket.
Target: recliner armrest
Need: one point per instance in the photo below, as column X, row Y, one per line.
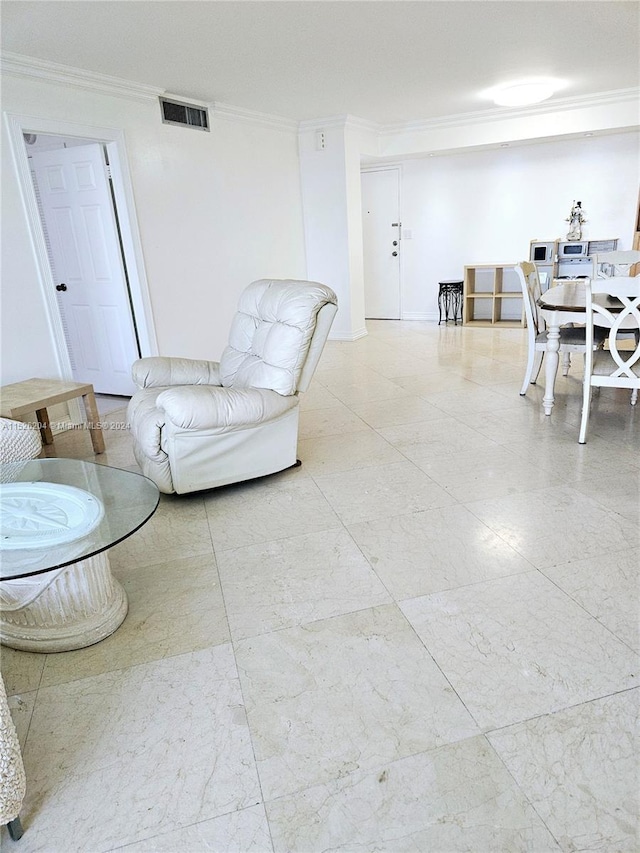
column 157, row 371
column 201, row 407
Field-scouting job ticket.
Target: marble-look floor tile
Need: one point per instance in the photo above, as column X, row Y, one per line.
column 420, row 553
column 505, row 647
column 607, row 587
column 431, row 438
column 380, row 492
column 579, row 769
column 346, row 452
column 558, row 451
column 122, row 756
column 619, row 494
column 377, row 388
column 317, row 397
column 455, row 798
column 244, row 831
column 337, row 419
column 133, row 772
column 473, row 399
column 177, row 529
column 389, row 363
column 506, row 426
column 118, row 451
column 293, row 581
column 482, row 474
column 556, row 525
column 405, row 410
column 433, row 382
column 21, row 671
column 275, row 507
column 21, row 706
column 346, row 374
column 345, row 693
column 174, row 607
column 111, row 406
column 495, row 373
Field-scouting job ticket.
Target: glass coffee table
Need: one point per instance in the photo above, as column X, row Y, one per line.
column 58, row 518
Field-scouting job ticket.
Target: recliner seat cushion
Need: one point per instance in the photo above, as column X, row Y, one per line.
column 270, row 334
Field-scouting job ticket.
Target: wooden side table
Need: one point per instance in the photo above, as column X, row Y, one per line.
column 36, row 395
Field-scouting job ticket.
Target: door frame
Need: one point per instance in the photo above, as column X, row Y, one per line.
column 391, row 167
column 113, row 139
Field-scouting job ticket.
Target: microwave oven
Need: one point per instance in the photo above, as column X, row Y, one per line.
column 577, row 249
column 542, row 253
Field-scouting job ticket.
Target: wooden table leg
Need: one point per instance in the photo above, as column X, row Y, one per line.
column 93, row 419
column 45, row 426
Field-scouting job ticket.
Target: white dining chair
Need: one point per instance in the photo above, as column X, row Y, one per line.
column 572, row 338
column 617, row 311
column 613, row 264
column 621, row 262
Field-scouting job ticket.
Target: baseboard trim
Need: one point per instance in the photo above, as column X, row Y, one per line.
column 348, row 336
column 420, row 315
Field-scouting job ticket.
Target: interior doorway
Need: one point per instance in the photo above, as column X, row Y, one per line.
column 381, row 243
column 81, row 229
column 112, row 144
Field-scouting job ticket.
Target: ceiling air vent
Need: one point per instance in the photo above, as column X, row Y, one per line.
column 175, row 112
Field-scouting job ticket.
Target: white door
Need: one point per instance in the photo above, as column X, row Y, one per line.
column 88, row 269
column 381, row 243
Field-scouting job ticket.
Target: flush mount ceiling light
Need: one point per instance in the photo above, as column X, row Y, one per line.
column 524, row 92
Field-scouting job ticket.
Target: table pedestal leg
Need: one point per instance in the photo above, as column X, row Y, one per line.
column 551, row 367
column 64, row 609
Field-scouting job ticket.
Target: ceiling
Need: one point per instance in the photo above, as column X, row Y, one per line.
column 389, row 62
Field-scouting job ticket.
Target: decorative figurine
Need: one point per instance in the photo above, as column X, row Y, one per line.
column 575, row 220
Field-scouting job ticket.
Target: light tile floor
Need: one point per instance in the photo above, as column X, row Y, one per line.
column 424, row 639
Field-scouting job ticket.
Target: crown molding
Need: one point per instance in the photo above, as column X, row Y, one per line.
column 341, row 121
column 53, row 72
column 619, row 96
column 253, row 117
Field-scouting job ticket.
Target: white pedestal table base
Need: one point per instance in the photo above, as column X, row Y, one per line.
column 63, row 609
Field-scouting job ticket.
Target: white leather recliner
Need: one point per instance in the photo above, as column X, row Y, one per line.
column 201, row 424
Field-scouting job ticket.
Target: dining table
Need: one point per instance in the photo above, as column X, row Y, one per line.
column 563, row 303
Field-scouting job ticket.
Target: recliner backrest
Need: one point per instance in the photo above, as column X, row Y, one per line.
column 272, row 333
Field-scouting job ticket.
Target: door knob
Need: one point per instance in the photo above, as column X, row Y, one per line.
column 62, row 286
column 395, row 254
column 395, row 242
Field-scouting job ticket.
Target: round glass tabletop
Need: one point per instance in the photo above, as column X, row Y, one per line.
column 54, row 512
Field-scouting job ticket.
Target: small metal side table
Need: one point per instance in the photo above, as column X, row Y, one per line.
column 450, row 299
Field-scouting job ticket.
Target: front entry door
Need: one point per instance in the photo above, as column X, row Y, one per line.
column 87, row 266
column 381, row 243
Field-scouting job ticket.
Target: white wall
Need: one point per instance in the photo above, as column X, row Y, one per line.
column 215, row 211
column 323, row 181
column 485, row 206
column 600, row 113
column 331, row 192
